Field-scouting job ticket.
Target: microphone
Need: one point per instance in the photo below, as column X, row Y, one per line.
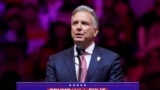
column 80, row 50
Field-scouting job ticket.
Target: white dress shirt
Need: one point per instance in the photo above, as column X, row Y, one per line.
column 89, row 51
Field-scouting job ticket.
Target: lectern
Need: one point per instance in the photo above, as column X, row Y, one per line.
column 77, row 86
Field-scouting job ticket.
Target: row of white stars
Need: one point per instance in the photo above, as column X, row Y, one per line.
column 77, row 85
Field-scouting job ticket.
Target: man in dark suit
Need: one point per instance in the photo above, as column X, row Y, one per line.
column 99, row 64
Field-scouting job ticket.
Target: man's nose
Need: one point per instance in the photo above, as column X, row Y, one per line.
column 79, row 26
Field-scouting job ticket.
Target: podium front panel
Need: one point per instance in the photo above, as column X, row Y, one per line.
column 77, row 86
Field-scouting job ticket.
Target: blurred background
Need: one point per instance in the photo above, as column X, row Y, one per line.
column 31, row 30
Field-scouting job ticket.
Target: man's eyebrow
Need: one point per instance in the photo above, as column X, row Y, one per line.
column 74, row 20
column 85, row 22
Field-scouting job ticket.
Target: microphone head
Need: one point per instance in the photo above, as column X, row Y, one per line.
column 80, row 50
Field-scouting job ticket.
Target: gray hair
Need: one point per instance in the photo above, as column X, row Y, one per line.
column 90, row 10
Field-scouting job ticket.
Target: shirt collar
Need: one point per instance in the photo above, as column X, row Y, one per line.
column 89, row 50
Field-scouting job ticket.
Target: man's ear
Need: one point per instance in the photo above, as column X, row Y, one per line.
column 96, row 32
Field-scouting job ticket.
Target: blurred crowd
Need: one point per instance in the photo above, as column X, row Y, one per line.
column 31, row 30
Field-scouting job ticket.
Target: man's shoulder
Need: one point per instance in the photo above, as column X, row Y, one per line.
column 106, row 51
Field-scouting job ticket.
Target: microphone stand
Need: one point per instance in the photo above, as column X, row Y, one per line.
column 80, row 51
column 79, row 69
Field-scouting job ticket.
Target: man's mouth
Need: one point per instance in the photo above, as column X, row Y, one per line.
column 79, row 35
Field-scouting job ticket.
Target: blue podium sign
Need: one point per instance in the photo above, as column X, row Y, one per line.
column 77, row 86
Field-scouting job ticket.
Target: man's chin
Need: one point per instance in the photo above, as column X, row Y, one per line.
column 79, row 41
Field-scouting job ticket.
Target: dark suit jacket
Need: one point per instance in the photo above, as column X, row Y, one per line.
column 61, row 67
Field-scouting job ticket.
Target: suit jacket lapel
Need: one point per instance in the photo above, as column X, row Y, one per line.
column 93, row 63
column 69, row 60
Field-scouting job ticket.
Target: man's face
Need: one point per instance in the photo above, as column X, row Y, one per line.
column 82, row 28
